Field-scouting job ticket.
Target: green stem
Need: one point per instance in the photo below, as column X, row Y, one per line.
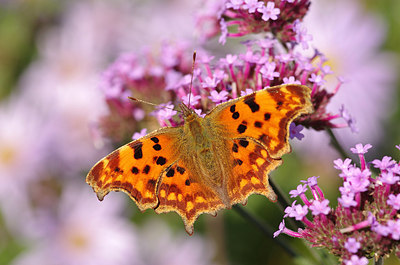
column 283, row 202
column 336, row 145
column 265, row 229
column 379, row 261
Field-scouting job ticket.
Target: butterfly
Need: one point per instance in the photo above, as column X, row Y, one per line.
column 209, row 163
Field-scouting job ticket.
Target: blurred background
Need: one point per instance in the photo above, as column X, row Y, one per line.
column 52, row 54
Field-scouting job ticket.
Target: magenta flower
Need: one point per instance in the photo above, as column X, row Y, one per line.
column 320, row 207
column 355, row 260
column 352, row 245
column 140, row 134
column 365, row 220
column 269, row 11
column 218, row 97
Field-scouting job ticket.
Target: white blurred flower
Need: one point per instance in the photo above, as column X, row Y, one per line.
column 350, row 38
column 82, row 231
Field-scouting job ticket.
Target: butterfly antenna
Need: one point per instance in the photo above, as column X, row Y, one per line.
column 191, row 79
column 149, row 103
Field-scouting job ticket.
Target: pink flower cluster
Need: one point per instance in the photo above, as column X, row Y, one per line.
column 264, row 63
column 236, row 18
column 365, row 222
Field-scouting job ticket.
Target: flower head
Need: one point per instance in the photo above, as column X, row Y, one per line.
column 366, row 218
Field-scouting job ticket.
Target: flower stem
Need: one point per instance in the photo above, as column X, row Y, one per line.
column 379, row 261
column 335, row 143
column 284, row 202
column 265, row 229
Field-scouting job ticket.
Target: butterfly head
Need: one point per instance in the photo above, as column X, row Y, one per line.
column 188, row 113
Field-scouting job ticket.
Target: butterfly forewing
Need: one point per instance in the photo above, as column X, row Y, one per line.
column 208, row 164
column 136, row 168
column 265, row 115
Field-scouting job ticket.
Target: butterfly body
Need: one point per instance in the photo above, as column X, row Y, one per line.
column 204, row 149
column 209, row 163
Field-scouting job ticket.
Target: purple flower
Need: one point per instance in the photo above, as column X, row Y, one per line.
column 360, row 149
column 351, row 122
column 235, row 4
column 317, row 79
column 199, row 112
column 301, row 34
column 346, row 188
column 140, row 134
column 359, row 180
column 352, row 245
column 281, row 229
column 301, row 189
column 394, row 228
column 382, row 230
column 394, row 200
column 252, row 5
column 342, row 165
column 269, row 11
column 194, row 99
column 291, row 80
column 388, row 178
column 295, row 131
column 230, row 59
column 210, row 82
column 289, row 209
column 268, row 70
column 356, row 260
column 311, row 181
column 299, row 212
column 383, row 164
column 347, row 200
column 224, row 31
column 246, row 92
column 320, row 207
column 218, row 97
column 164, row 112
column 398, row 146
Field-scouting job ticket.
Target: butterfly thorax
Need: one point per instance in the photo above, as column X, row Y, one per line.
column 206, row 151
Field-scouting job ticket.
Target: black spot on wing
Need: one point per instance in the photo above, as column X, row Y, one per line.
column 258, row 124
column 181, row 170
column 244, row 143
column 250, row 101
column 170, row 173
column 241, row 128
column 135, row 170
column 157, row 147
column 137, row 150
column 161, row 161
column 146, row 169
column 155, row 139
column 267, row 116
column 235, row 148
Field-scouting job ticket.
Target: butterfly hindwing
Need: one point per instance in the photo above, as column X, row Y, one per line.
column 179, row 191
column 251, row 165
column 265, row 115
column 136, row 167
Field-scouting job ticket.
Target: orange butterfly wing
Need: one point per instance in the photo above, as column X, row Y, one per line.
column 180, row 192
column 257, row 128
column 150, row 172
column 265, row 115
column 136, row 167
column 152, row 169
